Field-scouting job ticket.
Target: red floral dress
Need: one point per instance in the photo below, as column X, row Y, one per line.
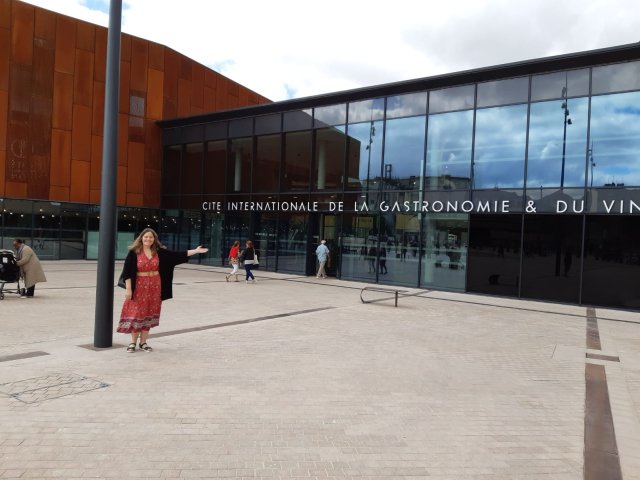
column 142, row 312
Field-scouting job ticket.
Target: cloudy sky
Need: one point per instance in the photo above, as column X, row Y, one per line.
column 291, row 49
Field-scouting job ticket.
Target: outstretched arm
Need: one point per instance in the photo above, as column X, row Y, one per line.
column 199, row 249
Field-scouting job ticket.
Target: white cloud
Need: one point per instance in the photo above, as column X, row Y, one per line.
column 287, row 47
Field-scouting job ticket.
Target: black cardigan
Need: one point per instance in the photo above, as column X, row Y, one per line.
column 168, row 261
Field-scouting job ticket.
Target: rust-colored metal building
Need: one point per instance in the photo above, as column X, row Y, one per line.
column 52, row 83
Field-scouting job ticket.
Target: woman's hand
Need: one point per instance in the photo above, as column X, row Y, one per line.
column 198, row 249
column 128, row 294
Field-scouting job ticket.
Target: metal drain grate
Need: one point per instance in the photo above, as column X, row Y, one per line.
column 34, row 390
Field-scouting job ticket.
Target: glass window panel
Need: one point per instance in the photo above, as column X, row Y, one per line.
column 611, row 266
column 74, row 216
column 449, row 144
column 268, row 124
column 267, row 165
column 503, row 92
column 242, row 127
column 551, row 260
column 239, row 165
column 366, row 110
column 500, row 147
column 191, row 175
column 494, row 254
column 297, row 162
column 556, row 155
column 444, row 263
column 292, row 243
column 359, row 247
column 17, row 213
column 332, row 115
column 551, row 85
column 407, row 105
column 449, row 99
column 214, row 167
column 616, row 78
column 298, row 120
column 171, row 170
column 72, row 245
column 328, row 172
column 615, row 137
column 404, row 153
column 46, row 215
column 364, row 161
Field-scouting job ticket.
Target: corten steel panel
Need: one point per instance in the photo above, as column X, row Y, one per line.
column 210, row 78
column 125, row 47
column 153, row 146
column 38, row 184
column 5, row 13
column 98, row 108
column 171, row 66
column 185, row 67
column 156, row 56
column 123, row 138
column 81, row 134
column 209, row 99
column 43, row 61
column 121, row 191
column 4, row 109
column 125, row 73
column 60, row 173
column 65, row 44
column 135, row 199
column 152, row 188
column 83, row 78
column 40, row 126
column 96, row 163
column 139, row 62
column 20, row 94
column 169, row 107
column 94, row 196
column 60, row 194
column 222, row 101
column 4, row 58
column 86, row 36
column 197, row 86
column 16, row 189
column 17, row 168
column 62, row 101
column 233, row 88
column 135, row 170
column 184, row 97
column 46, row 26
column 155, row 87
column 100, row 66
column 23, row 25
column 3, row 162
column 80, row 172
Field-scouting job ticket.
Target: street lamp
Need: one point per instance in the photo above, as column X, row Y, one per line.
column 372, row 133
column 566, row 121
column 591, row 162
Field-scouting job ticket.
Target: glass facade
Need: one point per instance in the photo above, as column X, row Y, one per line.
column 513, row 186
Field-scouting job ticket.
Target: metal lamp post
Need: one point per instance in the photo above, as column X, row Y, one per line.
column 566, row 121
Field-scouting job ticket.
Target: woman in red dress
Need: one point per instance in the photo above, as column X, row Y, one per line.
column 148, row 275
column 233, row 260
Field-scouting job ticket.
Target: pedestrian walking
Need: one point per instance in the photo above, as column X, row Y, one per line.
column 234, row 253
column 248, row 257
column 30, row 267
column 322, row 252
column 148, row 276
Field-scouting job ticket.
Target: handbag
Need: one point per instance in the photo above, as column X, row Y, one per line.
column 255, row 259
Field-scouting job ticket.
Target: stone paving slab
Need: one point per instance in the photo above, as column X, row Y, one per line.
column 446, row 386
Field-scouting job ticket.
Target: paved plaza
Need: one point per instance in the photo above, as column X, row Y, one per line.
column 294, row 377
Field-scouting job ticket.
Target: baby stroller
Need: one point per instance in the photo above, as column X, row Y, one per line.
column 9, row 273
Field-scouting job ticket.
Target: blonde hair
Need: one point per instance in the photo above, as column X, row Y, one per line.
column 137, row 246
